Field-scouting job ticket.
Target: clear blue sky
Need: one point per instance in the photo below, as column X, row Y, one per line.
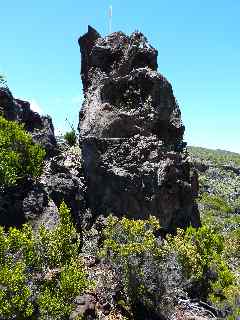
column 198, row 44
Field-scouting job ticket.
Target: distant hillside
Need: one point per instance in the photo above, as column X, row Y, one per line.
column 214, row 157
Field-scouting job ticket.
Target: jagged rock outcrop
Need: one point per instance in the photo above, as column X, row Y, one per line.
column 37, row 202
column 40, row 127
column 131, row 133
column 63, row 180
column 27, row 202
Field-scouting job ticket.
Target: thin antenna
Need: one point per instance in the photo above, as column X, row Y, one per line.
column 110, row 19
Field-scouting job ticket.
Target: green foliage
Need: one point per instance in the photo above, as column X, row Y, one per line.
column 196, row 248
column 133, row 250
column 42, row 270
column 232, row 245
column 201, row 250
column 16, row 250
column 127, row 237
column 70, row 137
column 19, row 156
column 216, row 203
column 61, row 244
column 56, row 297
column 15, row 293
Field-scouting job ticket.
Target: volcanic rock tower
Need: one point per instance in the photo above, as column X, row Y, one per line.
column 131, row 133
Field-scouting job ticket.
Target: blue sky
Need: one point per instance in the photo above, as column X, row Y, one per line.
column 197, row 40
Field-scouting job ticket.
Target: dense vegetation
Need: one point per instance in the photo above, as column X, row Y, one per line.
column 42, row 272
column 19, row 156
column 219, row 203
column 154, row 272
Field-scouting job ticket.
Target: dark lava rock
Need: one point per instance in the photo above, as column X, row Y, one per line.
column 37, row 202
column 40, row 127
column 131, row 133
column 27, row 202
column 63, row 181
column 84, row 307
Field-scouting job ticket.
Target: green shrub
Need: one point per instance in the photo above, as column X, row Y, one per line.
column 15, row 294
column 232, row 245
column 216, row 203
column 142, row 259
column 58, row 293
column 202, row 252
column 196, row 248
column 135, row 255
column 61, row 244
column 71, row 137
column 19, row 156
column 41, row 271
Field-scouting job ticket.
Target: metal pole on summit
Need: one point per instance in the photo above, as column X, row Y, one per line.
column 110, row 19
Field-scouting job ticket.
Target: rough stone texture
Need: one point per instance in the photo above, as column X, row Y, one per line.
column 40, row 127
column 27, row 202
column 37, row 202
column 85, row 307
column 131, row 133
column 63, row 180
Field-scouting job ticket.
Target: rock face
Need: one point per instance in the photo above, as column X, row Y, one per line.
column 131, row 133
column 38, row 201
column 40, row 127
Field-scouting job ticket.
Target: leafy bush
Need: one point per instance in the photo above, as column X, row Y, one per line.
column 197, row 257
column 15, row 294
column 58, row 292
column 200, row 252
column 60, row 245
column 40, row 272
column 137, row 257
column 19, row 156
column 71, row 137
column 216, row 203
